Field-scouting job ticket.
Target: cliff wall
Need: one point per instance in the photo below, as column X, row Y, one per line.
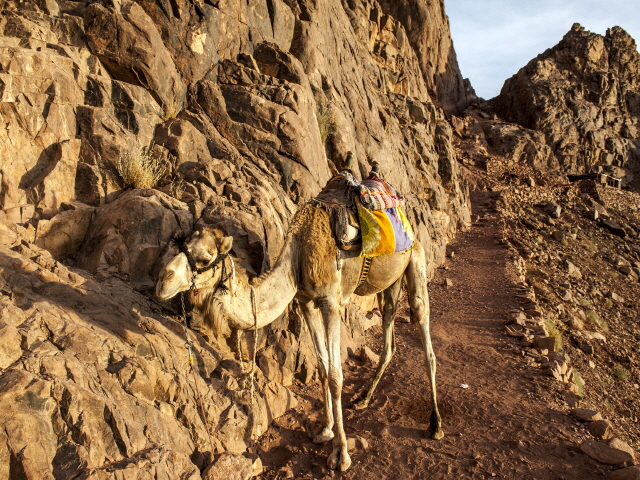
column 248, row 107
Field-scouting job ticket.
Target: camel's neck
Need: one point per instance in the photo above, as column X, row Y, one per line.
column 271, row 293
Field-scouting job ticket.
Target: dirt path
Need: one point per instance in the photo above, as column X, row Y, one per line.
column 502, row 425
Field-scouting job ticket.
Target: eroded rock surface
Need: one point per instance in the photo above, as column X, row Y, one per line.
column 584, row 95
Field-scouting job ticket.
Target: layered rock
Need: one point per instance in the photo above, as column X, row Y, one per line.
column 583, row 94
column 426, row 23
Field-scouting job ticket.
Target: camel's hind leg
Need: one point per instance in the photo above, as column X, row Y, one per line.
column 419, row 302
column 316, row 328
column 388, row 300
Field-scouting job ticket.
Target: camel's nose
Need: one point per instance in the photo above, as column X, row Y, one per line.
column 168, row 275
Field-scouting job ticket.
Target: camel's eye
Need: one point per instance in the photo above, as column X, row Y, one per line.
column 203, row 261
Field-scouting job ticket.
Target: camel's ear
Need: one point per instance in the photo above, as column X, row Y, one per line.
column 225, row 245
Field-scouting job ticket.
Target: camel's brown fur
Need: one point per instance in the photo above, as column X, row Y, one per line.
column 312, row 226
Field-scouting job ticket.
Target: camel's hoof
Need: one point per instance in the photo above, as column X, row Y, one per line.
column 361, row 405
column 321, row 436
column 437, row 434
column 339, row 459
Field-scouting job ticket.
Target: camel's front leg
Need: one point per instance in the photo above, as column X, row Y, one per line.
column 339, row 458
column 316, row 329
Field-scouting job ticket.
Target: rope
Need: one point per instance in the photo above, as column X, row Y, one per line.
column 239, row 351
column 188, row 345
column 255, row 341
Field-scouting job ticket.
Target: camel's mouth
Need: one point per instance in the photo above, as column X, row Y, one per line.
column 165, row 292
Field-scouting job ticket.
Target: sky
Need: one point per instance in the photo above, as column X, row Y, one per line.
column 494, row 39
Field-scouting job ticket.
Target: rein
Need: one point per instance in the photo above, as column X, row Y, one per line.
column 181, row 243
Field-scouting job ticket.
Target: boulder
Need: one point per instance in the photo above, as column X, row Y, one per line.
column 601, row 429
column 129, row 236
column 64, row 234
column 585, row 415
column 606, row 454
column 629, row 473
column 229, row 467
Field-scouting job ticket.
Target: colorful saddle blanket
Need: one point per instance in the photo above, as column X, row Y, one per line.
column 384, row 231
column 378, row 194
column 383, row 226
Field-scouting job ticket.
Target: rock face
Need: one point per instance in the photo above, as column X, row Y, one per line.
column 584, row 96
column 247, row 109
column 427, row 24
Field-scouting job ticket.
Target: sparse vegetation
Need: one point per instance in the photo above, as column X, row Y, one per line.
column 172, row 109
column 140, row 168
column 593, row 317
column 554, row 332
column 621, row 373
column 176, row 190
column 577, row 379
column 326, row 121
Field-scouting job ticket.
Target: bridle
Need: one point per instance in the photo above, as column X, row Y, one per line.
column 180, row 241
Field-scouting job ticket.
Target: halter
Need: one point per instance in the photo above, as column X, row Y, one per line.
column 180, row 241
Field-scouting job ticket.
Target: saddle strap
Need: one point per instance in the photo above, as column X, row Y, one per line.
column 365, row 270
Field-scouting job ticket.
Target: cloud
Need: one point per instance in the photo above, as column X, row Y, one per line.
column 495, row 38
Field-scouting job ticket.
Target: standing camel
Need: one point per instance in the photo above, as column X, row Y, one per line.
column 322, row 278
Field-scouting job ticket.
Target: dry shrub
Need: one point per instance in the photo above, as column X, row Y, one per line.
column 326, row 121
column 140, row 168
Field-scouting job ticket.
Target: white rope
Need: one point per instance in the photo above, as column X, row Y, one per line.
column 255, row 341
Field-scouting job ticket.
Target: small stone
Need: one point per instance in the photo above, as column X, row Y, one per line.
column 624, row 269
column 448, row 282
column 565, row 295
column 592, row 214
column 357, row 443
column 575, row 323
column 623, row 447
column 601, row 429
column 606, row 454
column 553, row 209
column 257, row 468
column 571, row 398
column 518, row 318
column 548, row 343
column 615, row 297
column 572, row 270
column 614, row 228
column 368, row 355
column 585, row 415
column 558, row 236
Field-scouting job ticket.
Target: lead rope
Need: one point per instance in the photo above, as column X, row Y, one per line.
column 195, row 380
column 255, row 340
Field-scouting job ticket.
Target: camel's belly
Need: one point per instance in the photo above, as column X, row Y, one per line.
column 383, row 272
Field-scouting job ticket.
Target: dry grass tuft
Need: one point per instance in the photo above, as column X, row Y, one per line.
column 326, row 121
column 140, row 168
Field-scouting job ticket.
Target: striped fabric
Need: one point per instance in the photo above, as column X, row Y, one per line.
column 378, row 194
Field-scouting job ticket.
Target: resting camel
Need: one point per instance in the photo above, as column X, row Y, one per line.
column 322, row 278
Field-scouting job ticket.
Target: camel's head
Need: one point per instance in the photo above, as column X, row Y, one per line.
column 197, row 252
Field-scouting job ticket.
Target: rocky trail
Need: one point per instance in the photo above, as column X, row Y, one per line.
column 500, row 416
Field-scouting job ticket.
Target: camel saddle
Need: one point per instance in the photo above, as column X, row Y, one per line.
column 366, row 216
